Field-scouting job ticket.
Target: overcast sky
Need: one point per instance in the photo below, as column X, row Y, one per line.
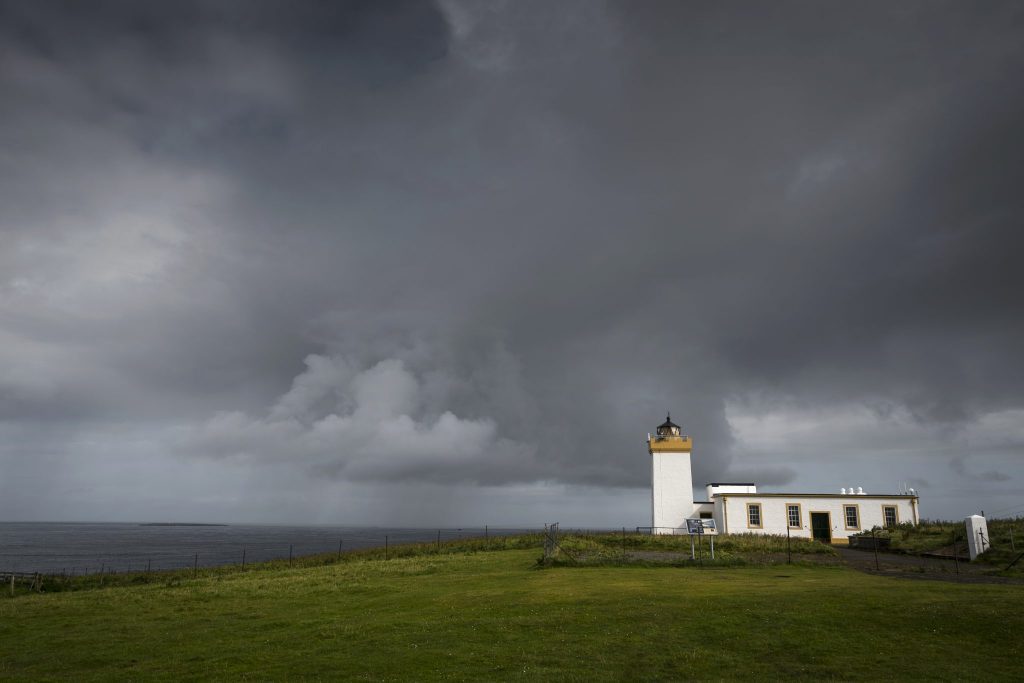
column 404, row 263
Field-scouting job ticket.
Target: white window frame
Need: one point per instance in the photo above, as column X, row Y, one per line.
column 799, row 516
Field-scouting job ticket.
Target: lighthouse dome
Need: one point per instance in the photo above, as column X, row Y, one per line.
column 669, row 428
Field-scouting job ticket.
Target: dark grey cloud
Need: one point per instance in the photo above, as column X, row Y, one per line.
column 488, row 244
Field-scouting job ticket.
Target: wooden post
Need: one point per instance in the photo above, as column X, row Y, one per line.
column 385, row 547
column 149, row 565
column 195, row 566
column 289, row 554
column 487, row 537
column 243, row 557
column 339, row 548
column 12, row 584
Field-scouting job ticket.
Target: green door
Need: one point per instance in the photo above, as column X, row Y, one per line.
column 821, row 526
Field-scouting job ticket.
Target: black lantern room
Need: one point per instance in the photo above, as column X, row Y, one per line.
column 669, row 428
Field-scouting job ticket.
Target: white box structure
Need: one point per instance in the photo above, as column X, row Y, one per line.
column 977, row 535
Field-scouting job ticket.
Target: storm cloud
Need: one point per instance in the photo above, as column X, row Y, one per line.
column 306, row 251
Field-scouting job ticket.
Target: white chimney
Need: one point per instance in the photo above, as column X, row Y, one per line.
column 843, row 491
column 860, row 491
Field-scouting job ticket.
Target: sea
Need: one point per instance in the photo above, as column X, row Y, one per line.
column 87, row 547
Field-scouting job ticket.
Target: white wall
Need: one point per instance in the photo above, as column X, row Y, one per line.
column 715, row 489
column 731, row 513
column 671, row 491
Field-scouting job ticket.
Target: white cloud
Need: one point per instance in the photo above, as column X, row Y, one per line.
column 363, row 425
column 858, row 440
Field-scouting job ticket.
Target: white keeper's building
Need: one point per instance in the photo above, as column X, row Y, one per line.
column 738, row 508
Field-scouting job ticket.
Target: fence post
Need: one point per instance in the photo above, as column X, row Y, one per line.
column 623, row 542
column 439, row 541
column 339, row 548
column 12, row 584
column 243, row 557
column 789, row 548
column 149, row 565
column 487, row 537
column 289, row 554
column 874, row 544
column 385, row 547
column 195, row 566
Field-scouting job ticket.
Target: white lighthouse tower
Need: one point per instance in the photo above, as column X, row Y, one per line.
column 671, row 480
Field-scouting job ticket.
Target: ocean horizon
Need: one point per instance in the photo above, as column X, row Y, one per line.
column 88, row 547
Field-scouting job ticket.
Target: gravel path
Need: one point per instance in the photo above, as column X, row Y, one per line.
column 920, row 567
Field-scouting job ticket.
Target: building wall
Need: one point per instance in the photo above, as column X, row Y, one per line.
column 717, row 489
column 671, row 491
column 731, row 513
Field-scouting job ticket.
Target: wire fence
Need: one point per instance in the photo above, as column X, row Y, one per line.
column 140, row 552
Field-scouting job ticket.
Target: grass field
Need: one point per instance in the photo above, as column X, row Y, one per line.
column 495, row 615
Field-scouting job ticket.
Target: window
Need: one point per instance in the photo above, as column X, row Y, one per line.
column 754, row 515
column 793, row 515
column 706, row 515
column 851, row 513
column 889, row 517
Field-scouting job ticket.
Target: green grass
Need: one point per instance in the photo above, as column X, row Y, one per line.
column 470, row 615
column 732, row 550
column 1005, row 535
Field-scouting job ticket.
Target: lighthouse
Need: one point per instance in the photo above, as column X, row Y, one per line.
column 671, row 480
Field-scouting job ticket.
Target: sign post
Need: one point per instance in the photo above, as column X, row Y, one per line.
column 697, row 527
